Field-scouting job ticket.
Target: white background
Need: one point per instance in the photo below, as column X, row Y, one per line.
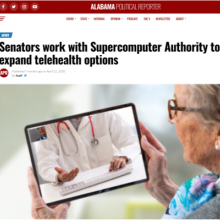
column 158, row 67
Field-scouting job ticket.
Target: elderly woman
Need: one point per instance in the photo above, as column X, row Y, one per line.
column 195, row 111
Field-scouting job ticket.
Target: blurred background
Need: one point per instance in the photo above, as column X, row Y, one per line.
column 26, row 104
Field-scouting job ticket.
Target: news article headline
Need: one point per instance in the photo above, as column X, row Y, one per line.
column 99, row 59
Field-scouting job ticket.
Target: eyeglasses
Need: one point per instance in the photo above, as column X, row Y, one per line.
column 173, row 108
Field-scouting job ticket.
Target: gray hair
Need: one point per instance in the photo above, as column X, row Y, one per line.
column 207, row 98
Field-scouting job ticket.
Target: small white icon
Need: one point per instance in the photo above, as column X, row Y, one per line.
column 24, row 6
column 3, row 6
column 34, row 6
column 13, row 6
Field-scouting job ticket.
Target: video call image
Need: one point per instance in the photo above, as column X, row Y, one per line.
column 38, row 134
column 87, row 154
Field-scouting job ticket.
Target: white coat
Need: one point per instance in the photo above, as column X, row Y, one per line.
column 115, row 139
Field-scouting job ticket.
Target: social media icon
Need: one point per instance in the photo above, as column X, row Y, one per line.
column 13, row 6
column 34, row 6
column 24, row 7
column 3, row 7
column 25, row 75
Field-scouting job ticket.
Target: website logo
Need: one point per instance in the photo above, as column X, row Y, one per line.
column 4, row 73
column 102, row 6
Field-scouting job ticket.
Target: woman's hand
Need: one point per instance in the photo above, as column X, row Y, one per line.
column 39, row 209
column 159, row 184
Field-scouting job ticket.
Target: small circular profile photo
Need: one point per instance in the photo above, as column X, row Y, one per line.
column 38, row 134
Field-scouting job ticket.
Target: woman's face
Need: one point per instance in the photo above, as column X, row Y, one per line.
column 198, row 142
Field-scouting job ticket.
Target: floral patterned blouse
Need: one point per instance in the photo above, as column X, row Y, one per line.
column 191, row 195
